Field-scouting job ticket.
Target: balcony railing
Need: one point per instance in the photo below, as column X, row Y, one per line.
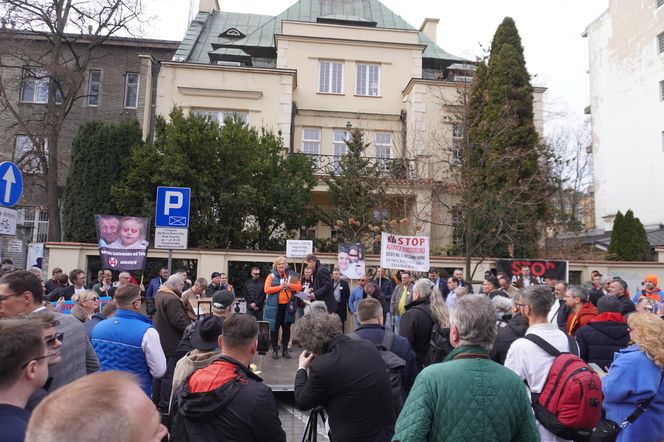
column 389, row 168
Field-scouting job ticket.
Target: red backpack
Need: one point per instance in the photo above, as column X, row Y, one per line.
column 570, row 404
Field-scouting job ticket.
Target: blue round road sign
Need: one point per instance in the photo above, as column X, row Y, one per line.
column 11, row 184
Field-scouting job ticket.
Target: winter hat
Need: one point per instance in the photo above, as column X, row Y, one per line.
column 206, row 333
column 651, row 278
column 221, row 300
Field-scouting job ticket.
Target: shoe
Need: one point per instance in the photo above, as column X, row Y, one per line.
column 275, row 355
column 286, row 355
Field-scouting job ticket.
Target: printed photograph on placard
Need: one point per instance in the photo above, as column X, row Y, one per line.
column 350, row 258
column 122, row 241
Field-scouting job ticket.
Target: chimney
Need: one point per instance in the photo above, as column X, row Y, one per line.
column 208, row 5
column 428, row 27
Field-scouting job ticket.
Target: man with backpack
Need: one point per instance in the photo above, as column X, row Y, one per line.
column 566, row 394
column 370, row 314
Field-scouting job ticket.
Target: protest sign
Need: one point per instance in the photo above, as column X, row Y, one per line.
column 122, row 241
column 539, row 268
column 351, row 260
column 404, row 252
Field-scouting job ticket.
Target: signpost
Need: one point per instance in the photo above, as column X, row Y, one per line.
column 172, row 219
column 11, row 189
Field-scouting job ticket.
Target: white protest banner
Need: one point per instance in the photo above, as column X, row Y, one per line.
column 404, row 252
column 299, row 248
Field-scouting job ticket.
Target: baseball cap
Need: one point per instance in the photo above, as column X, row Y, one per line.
column 651, row 278
column 206, row 333
column 215, row 274
column 221, row 300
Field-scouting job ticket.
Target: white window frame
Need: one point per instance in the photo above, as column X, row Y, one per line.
column 363, row 85
column 221, row 115
column 92, row 96
column 383, row 143
column 125, row 102
column 23, row 146
column 311, row 144
column 339, row 148
column 326, row 80
column 38, row 80
column 457, row 138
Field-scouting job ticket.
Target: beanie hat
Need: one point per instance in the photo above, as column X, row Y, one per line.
column 651, row 278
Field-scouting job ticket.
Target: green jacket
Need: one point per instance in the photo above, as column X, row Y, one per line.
column 467, row 399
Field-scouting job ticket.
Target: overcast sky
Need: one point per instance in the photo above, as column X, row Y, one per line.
column 556, row 54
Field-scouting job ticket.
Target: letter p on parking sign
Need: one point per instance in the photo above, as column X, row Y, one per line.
column 172, row 207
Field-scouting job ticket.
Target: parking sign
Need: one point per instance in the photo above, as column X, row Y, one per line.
column 172, row 207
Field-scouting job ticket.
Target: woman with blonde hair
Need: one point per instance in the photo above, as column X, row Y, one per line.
column 439, row 346
column 85, row 304
column 279, row 288
column 635, row 383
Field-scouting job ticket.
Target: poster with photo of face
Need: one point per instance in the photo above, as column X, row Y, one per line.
column 123, row 241
column 351, row 261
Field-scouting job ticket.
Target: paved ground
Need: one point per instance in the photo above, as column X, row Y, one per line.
column 293, row 420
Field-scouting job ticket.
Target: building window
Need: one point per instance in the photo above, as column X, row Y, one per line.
column 381, row 215
column 221, row 116
column 661, row 89
column 383, row 143
column 457, row 143
column 368, row 80
column 94, row 87
column 660, row 42
column 660, row 3
column 34, row 86
column 311, row 142
column 131, row 90
column 30, row 159
column 339, row 149
column 330, row 77
column 37, row 218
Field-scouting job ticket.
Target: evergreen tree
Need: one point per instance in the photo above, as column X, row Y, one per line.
column 245, row 192
column 504, row 159
column 356, row 189
column 629, row 241
column 100, row 154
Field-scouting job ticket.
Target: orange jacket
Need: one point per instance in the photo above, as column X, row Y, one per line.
column 577, row 320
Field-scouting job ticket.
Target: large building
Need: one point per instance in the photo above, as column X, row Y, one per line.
column 322, row 68
column 114, row 88
column 626, row 61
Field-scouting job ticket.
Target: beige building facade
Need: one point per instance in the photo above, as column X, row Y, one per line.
column 321, row 69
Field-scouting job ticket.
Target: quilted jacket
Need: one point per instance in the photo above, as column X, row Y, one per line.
column 466, row 398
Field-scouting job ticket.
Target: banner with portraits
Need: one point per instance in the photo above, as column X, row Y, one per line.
column 123, row 241
column 404, row 252
column 351, row 260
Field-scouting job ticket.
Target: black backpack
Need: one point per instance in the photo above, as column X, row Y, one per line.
column 439, row 345
column 394, row 366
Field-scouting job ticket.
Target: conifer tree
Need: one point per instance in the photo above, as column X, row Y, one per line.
column 100, row 154
column 629, row 241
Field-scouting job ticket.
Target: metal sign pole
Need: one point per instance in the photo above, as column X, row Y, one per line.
column 170, row 260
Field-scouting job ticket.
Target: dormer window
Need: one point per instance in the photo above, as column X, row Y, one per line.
column 232, row 33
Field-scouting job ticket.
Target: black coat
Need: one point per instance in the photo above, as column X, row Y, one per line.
column 627, row 306
column 344, row 293
column 351, row 382
column 254, row 292
column 595, row 294
column 508, row 332
column 323, row 287
column 243, row 410
column 416, row 326
column 599, row 340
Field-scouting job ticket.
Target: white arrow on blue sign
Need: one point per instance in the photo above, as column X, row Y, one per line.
column 172, row 207
column 11, row 184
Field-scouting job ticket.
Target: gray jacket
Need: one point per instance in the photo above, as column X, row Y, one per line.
column 78, row 356
column 396, row 297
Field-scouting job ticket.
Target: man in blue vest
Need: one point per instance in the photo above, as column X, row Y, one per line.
column 127, row 341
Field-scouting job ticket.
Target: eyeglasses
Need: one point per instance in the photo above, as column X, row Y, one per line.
column 95, row 299
column 50, row 341
column 5, row 298
column 520, row 305
column 38, row 358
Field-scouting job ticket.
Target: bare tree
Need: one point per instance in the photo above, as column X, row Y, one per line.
column 69, row 31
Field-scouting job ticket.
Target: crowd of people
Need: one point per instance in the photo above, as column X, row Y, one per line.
column 426, row 360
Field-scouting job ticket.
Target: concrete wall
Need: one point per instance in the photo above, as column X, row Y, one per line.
column 265, row 94
column 626, row 109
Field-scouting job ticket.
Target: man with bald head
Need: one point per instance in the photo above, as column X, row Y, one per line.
column 128, row 414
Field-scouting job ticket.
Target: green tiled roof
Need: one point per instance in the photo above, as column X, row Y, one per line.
column 260, row 29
